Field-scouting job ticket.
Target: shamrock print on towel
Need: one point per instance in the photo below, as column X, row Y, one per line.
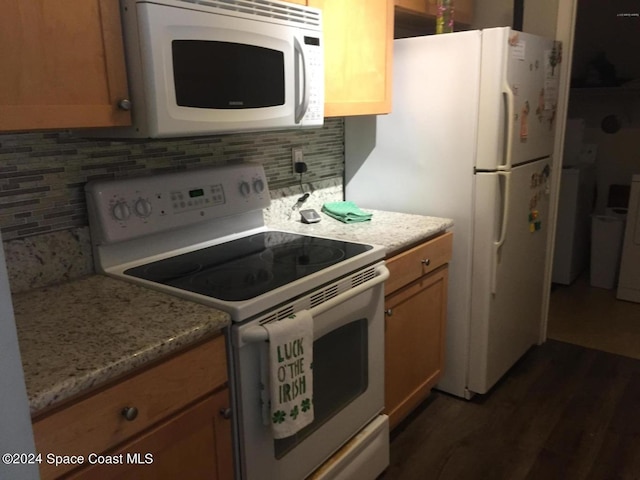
column 279, row 416
column 294, row 412
column 306, row 405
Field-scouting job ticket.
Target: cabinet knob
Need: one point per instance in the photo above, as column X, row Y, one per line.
column 225, row 413
column 130, row 413
column 425, row 262
column 388, row 312
column 124, row 104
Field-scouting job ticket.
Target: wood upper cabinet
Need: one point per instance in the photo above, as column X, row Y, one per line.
column 63, row 64
column 416, row 311
column 358, row 43
column 180, row 420
column 418, row 16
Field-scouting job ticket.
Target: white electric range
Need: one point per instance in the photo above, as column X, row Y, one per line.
column 200, row 235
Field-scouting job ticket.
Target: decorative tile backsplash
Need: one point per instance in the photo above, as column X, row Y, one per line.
column 42, row 175
column 63, row 255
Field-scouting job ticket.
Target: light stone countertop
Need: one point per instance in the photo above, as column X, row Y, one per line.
column 80, row 334
column 394, row 231
column 83, row 333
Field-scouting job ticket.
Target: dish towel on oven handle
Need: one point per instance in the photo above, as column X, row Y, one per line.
column 289, row 378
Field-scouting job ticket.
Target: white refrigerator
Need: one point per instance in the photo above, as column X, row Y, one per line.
column 470, row 137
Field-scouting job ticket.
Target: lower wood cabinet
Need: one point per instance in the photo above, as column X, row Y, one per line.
column 195, row 444
column 416, row 312
column 167, row 421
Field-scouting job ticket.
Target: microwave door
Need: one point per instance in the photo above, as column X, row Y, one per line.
column 208, row 73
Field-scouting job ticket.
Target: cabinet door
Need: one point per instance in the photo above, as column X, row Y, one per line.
column 358, row 43
column 414, row 343
column 195, row 444
column 423, row 7
column 462, row 12
column 62, row 64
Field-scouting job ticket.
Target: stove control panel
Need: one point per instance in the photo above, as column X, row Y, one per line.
column 130, row 208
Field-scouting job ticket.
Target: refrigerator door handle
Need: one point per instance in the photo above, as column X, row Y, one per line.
column 503, row 228
column 508, row 95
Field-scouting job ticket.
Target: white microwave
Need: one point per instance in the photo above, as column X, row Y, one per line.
column 198, row 67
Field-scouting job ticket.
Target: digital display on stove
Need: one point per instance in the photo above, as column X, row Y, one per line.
column 250, row 266
column 199, row 192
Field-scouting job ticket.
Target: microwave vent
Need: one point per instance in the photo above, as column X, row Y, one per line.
column 292, row 14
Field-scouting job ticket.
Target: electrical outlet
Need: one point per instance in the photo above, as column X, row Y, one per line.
column 296, row 157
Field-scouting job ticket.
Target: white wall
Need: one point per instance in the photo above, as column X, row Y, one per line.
column 492, row 13
column 540, row 17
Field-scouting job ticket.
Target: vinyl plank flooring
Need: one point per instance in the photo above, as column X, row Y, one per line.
column 563, row 411
column 594, row 318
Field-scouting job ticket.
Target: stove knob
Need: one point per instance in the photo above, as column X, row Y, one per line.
column 245, row 189
column 258, row 185
column 142, row 207
column 121, row 211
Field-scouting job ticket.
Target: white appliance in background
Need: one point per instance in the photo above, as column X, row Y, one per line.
column 575, row 205
column 204, row 67
column 200, row 235
column 16, row 436
column 470, row 138
column 573, row 226
column 629, row 279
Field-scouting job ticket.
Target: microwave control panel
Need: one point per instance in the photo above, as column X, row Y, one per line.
column 315, row 66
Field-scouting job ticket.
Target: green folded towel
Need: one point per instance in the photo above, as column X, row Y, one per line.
column 347, row 212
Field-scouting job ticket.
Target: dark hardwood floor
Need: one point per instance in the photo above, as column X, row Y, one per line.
column 562, row 412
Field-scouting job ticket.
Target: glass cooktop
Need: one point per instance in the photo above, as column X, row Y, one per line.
column 248, row 267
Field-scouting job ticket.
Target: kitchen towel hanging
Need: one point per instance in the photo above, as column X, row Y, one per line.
column 290, row 375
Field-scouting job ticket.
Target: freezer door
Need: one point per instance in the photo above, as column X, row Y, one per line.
column 519, row 81
column 511, row 221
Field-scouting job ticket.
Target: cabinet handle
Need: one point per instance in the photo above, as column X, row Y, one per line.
column 225, row 413
column 426, row 262
column 130, row 413
column 388, row 312
column 124, row 104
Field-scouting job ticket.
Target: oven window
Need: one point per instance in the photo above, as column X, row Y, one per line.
column 226, row 75
column 340, row 375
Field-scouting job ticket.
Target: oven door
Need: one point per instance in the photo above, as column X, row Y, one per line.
column 348, row 382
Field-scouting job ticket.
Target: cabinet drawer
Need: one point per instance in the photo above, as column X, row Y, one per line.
column 97, row 423
column 420, row 260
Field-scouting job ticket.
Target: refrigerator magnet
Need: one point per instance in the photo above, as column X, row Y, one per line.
column 524, row 121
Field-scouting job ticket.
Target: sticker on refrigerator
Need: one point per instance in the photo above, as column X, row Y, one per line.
column 542, row 105
column 553, row 58
column 517, row 47
column 524, row 121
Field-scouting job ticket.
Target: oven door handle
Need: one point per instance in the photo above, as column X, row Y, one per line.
column 259, row 333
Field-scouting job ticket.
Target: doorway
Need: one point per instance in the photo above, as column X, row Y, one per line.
column 605, row 93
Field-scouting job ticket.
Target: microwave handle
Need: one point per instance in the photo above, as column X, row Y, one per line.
column 301, row 107
column 259, row 333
